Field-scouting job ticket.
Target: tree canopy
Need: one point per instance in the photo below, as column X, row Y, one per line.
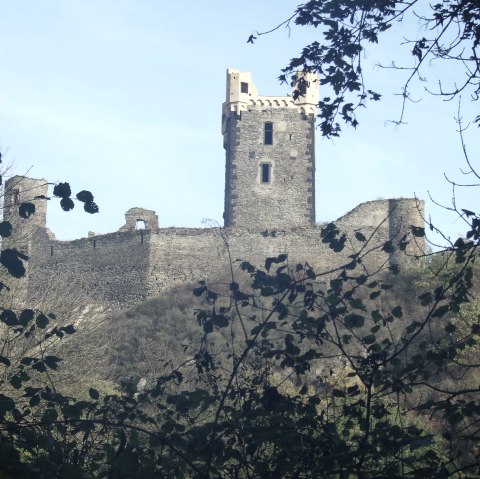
column 448, row 32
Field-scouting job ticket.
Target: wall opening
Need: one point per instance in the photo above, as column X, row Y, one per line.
column 268, row 133
column 265, row 173
column 302, row 86
column 140, row 225
column 244, row 87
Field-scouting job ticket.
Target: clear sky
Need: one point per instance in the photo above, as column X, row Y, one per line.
column 123, row 97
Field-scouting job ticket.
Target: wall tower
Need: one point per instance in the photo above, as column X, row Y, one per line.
column 270, row 154
column 18, row 190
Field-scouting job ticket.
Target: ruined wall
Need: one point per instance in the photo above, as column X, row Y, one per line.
column 109, row 270
column 140, row 218
column 120, row 269
column 181, row 255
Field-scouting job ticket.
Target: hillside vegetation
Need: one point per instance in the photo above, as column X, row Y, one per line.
column 277, row 371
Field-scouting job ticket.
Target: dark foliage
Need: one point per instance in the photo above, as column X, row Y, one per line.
column 450, row 32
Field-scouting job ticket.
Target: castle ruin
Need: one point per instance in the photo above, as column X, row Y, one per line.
column 269, row 210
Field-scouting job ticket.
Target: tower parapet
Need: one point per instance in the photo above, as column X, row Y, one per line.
column 242, row 94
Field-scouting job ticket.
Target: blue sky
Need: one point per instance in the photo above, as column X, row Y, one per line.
column 123, row 97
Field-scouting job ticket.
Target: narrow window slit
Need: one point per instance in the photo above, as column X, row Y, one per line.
column 268, row 133
column 265, row 173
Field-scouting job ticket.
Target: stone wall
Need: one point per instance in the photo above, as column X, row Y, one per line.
column 140, row 218
column 263, row 218
column 288, row 199
column 120, row 269
column 109, row 270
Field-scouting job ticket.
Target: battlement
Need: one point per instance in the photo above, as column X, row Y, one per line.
column 269, row 210
column 242, row 95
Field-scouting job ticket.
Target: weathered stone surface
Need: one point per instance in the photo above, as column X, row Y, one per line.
column 140, row 218
column 120, row 269
column 286, row 196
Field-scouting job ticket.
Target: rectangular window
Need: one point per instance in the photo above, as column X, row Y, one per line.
column 265, row 173
column 244, row 87
column 302, row 87
column 268, row 133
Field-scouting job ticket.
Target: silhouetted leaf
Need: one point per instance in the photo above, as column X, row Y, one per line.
column 5, row 229
column 93, row 393
column 220, row 321
column 11, row 259
column 422, row 442
column 450, row 328
column 26, row 316
column 8, row 317
column 51, row 361
column 4, row 360
column 41, row 321
column 397, row 311
column 370, row 339
column 26, row 210
column 278, row 259
column 70, row 329
column 16, row 381
column 375, row 294
column 417, row 231
column 67, row 204
column 360, row 236
column 388, row 247
column 425, row 298
column 62, row 190
column 85, row 196
column 354, row 321
column 441, row 311
column 91, row 207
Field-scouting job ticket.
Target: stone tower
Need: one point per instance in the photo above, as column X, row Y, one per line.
column 270, row 154
column 18, row 190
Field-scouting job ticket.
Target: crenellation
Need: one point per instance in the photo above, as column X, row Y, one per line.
column 269, row 210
